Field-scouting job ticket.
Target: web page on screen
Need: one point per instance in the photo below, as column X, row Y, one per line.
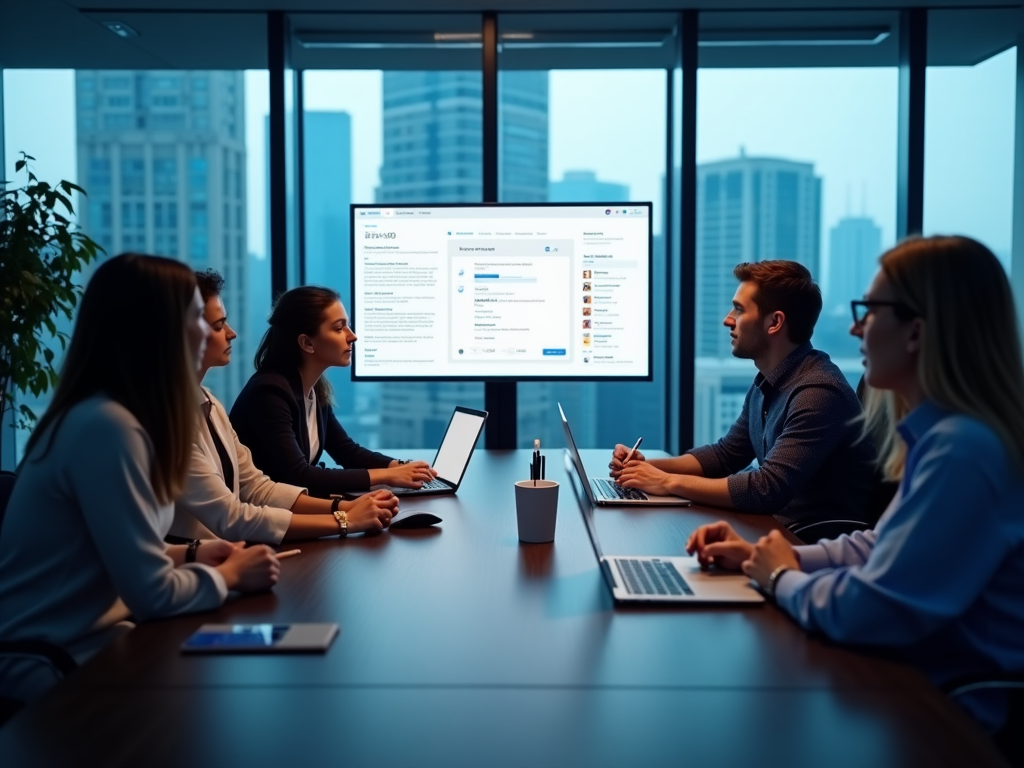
column 543, row 291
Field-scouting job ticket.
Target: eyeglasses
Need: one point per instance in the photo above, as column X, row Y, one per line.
column 861, row 309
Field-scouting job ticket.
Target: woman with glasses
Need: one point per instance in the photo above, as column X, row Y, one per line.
column 940, row 578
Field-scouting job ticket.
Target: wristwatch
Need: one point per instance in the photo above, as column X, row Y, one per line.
column 774, row 579
column 403, row 461
column 193, row 548
column 339, row 516
column 342, row 520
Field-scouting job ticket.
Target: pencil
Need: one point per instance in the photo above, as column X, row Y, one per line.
column 289, row 553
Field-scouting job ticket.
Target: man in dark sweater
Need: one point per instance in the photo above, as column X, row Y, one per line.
column 799, row 418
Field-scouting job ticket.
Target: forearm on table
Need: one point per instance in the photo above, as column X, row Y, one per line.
column 679, row 465
column 177, row 553
column 311, row 527
column 703, row 490
column 307, row 505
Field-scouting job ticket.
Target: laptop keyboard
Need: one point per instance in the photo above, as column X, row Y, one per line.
column 435, row 485
column 651, row 577
column 615, row 491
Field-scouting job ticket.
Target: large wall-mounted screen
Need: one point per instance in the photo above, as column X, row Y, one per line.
column 546, row 291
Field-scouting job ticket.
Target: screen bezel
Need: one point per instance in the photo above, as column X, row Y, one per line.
column 353, row 307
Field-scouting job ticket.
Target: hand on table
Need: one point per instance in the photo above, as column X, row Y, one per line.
column 411, row 475
column 718, row 544
column 371, row 512
column 640, row 474
column 213, row 552
column 769, row 553
column 250, row 570
column 619, row 456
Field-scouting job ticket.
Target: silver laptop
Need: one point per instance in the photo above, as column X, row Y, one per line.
column 604, row 492
column 645, row 579
column 452, row 457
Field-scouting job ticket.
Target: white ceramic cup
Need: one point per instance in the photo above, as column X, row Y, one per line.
column 536, row 507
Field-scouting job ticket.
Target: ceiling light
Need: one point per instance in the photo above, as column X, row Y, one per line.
column 120, row 29
column 753, row 38
column 633, row 38
column 384, row 40
column 449, row 37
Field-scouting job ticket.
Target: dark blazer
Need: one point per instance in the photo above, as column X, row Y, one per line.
column 269, row 416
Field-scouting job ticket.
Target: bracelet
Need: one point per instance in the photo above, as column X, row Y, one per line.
column 774, row 579
column 403, row 461
column 193, row 548
column 335, row 503
column 342, row 520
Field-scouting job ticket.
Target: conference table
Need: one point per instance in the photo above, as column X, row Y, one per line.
column 460, row 646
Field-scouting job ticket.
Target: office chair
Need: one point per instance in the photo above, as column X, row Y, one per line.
column 878, row 501
column 1009, row 740
column 811, row 533
column 59, row 661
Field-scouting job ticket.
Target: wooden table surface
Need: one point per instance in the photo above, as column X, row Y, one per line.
column 461, row 646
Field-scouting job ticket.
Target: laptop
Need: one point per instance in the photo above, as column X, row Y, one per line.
column 646, row 579
column 608, row 492
column 452, row 457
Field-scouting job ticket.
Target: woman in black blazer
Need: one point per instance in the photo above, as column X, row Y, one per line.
column 284, row 413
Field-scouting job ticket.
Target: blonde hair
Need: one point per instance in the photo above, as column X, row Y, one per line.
column 883, row 410
column 970, row 360
column 131, row 344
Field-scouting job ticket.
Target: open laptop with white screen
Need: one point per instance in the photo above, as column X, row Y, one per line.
column 672, row 580
column 502, row 291
column 607, row 492
column 452, row 457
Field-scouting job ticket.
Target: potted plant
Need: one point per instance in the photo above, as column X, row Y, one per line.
column 41, row 253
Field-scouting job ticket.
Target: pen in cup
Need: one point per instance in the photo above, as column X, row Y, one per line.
column 535, row 467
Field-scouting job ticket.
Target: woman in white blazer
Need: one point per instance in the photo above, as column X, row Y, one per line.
column 226, row 495
column 82, row 547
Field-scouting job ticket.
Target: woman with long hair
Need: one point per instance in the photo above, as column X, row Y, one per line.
column 83, row 536
column 941, row 576
column 285, row 413
column 227, row 495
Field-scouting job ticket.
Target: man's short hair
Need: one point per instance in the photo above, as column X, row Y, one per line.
column 787, row 287
column 210, row 283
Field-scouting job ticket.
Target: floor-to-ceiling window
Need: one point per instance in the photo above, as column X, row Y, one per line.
column 171, row 161
column 969, row 151
column 582, row 119
column 388, row 118
column 794, row 162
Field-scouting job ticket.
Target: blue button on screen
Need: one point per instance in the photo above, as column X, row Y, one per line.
column 550, row 352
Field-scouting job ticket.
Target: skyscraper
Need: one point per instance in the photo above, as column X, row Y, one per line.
column 855, row 245
column 585, row 187
column 328, row 195
column 748, row 209
column 162, row 156
column 433, row 144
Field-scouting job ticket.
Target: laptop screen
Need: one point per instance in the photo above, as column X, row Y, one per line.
column 586, row 509
column 458, row 444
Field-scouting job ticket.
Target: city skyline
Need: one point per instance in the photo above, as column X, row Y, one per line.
column 793, row 115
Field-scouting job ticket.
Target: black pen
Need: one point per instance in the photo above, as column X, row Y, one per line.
column 541, row 467
column 536, row 459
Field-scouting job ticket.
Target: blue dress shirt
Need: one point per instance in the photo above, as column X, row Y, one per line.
column 941, row 577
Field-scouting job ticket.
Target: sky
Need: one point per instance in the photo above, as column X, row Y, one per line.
column 612, row 122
